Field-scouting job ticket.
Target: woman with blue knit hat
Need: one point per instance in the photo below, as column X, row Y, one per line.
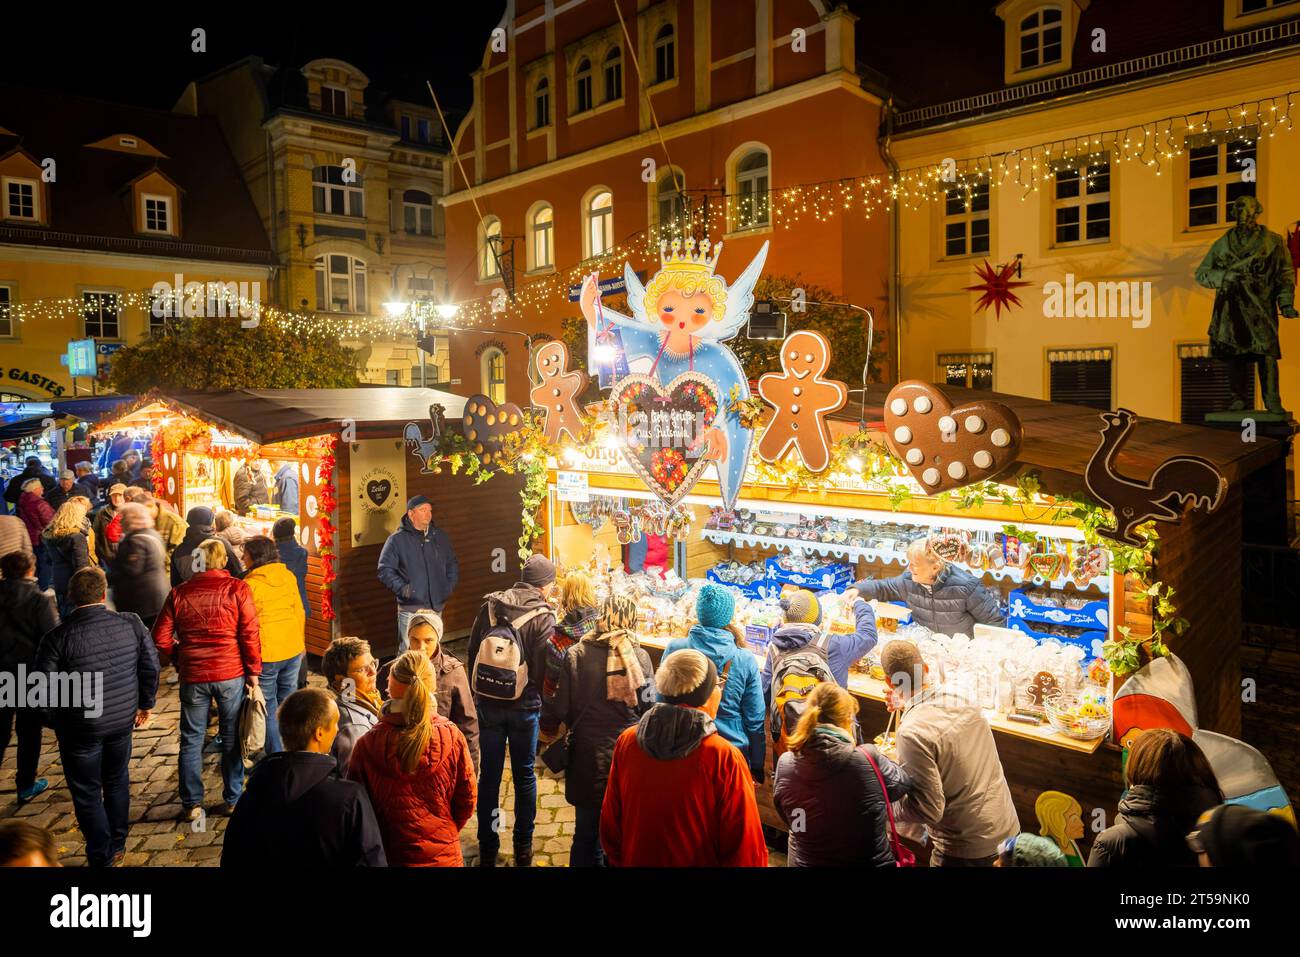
column 741, row 714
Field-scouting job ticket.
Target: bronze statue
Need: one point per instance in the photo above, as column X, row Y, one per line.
column 1250, row 270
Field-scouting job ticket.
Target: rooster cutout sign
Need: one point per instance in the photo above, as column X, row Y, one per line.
column 1175, row 482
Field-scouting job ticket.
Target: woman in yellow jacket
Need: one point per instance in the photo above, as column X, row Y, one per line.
column 281, row 620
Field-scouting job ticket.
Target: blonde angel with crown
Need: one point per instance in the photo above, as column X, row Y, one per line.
column 678, row 324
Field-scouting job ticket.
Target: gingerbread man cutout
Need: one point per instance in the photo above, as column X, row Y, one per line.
column 802, row 400
column 558, row 392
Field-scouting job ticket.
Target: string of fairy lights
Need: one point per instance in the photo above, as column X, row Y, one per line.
column 1155, row 144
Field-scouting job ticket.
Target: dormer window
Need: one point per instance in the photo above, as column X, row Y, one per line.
column 334, row 100
column 1040, row 38
column 156, row 213
column 22, row 199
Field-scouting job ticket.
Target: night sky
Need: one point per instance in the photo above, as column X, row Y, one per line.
column 148, row 61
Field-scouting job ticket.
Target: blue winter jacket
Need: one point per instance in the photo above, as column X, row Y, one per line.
column 419, row 567
column 294, row 557
column 741, row 714
column 286, row 488
column 115, row 651
column 841, row 650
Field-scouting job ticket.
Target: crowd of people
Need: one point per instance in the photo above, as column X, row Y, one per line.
column 388, row 762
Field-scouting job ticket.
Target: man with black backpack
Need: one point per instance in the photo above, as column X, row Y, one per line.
column 802, row 656
column 507, row 661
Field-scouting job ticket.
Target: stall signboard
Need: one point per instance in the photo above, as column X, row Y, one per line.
column 572, row 487
column 378, row 489
column 81, row 358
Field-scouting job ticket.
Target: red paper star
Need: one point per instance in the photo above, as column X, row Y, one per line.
column 997, row 286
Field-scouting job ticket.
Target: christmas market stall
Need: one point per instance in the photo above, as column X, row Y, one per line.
column 356, row 457
column 1109, row 545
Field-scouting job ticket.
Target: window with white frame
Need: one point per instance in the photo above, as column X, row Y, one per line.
column 582, row 87
column 542, row 104
column 670, row 203
column 101, row 315
column 489, row 248
column 494, row 375
column 969, row 370
column 340, row 283
column 1041, row 38
column 156, row 213
column 22, row 199
column 337, row 192
column 1081, row 209
column 334, row 100
column 752, row 208
column 665, row 51
column 1082, row 377
column 614, row 74
column 541, row 229
column 417, row 213
column 8, row 328
column 1214, row 177
column 599, row 216
column 966, row 220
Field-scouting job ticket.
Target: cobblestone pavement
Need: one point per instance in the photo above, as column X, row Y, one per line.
column 158, row 838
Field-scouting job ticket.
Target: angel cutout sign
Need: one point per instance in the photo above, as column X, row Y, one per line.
column 802, row 400
column 680, row 320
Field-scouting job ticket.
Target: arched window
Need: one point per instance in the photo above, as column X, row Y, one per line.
column 582, row 86
column 340, row 283
column 489, row 248
column 751, row 207
column 494, row 375
column 542, row 104
column 599, row 216
column 417, row 212
column 665, row 54
column 670, row 203
column 1040, row 38
column 337, row 191
column 541, row 245
column 614, row 74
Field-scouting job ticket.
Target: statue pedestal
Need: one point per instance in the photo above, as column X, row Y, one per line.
column 1258, row 416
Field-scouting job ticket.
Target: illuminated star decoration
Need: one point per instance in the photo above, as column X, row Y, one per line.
column 996, row 287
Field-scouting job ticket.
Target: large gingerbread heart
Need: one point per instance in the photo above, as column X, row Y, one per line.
column 944, row 447
column 487, row 425
column 663, row 428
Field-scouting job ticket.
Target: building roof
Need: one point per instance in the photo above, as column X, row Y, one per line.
column 89, row 205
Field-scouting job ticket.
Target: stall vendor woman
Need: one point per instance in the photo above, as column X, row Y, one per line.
column 942, row 597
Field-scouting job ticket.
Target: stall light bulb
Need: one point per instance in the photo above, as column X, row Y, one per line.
column 855, row 463
column 604, row 353
column 571, row 457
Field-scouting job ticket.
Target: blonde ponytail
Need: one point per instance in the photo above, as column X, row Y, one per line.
column 414, row 670
column 828, row 704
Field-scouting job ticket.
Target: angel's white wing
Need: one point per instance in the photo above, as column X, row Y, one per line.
column 635, row 293
column 740, row 299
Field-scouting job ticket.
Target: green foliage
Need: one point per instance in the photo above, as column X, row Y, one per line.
column 220, row 354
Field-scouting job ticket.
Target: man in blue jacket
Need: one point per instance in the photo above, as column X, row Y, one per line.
column 109, row 657
column 418, row 565
column 944, row 598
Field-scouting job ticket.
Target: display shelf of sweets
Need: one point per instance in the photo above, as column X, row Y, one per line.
column 1052, row 563
column 800, row 570
column 750, row 579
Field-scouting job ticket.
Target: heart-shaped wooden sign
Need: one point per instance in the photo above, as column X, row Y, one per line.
column 663, row 428
column 487, row 425
column 945, row 447
column 378, row 490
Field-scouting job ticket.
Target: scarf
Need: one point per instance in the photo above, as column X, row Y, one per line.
column 623, row 674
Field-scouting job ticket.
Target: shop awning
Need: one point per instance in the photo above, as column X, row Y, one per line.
column 22, row 428
column 91, row 408
column 267, row 416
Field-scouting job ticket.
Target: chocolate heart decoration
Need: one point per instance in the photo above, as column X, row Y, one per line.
column 945, row 447
column 670, row 464
column 378, row 491
column 487, row 425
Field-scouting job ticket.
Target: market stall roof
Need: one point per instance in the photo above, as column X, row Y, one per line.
column 22, row 428
column 267, row 416
column 1062, row 438
column 91, row 408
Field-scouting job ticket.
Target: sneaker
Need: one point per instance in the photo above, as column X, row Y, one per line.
column 226, row 809
column 191, row 813
column 118, row 858
column 26, row 794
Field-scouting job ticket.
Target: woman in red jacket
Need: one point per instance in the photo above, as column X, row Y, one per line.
column 417, row 769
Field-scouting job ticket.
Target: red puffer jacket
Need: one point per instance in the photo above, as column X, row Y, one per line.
column 211, row 623
column 420, row 814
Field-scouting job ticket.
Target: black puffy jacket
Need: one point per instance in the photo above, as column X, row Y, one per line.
column 139, row 574
column 115, row 650
column 951, row 606
column 582, row 704
column 829, row 790
column 26, row 614
column 298, row 812
column 1151, row 829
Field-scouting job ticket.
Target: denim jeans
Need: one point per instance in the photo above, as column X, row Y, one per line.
column 98, row 772
column 499, row 727
column 195, row 700
column 586, row 850
column 279, row 680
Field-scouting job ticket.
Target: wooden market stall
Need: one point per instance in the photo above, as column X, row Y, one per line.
column 1199, row 558
column 358, row 460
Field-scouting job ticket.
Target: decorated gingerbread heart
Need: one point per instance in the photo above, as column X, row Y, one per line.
column 945, row 447
column 487, row 425
column 557, row 392
column 665, row 429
